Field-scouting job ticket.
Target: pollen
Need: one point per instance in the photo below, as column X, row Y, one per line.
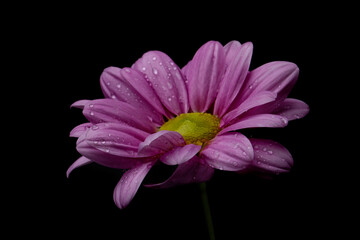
column 196, row 128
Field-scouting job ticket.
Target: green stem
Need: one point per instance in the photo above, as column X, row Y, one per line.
column 207, row 212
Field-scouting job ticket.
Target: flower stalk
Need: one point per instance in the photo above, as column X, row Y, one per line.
column 207, row 212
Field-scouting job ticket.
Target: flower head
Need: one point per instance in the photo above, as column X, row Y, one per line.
column 155, row 111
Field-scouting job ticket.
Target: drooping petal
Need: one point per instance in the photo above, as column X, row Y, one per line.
column 230, row 152
column 110, row 110
column 112, row 144
column 192, row 171
column 180, row 155
column 82, row 161
column 292, row 109
column 237, row 66
column 204, row 75
column 256, row 121
column 167, row 80
column 278, row 77
column 253, row 101
column 129, row 184
column 80, row 129
column 129, row 85
column 160, row 142
column 270, row 156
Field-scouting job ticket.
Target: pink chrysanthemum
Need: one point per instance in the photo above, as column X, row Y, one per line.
column 202, row 104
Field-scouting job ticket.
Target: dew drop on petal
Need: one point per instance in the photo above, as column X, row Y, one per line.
column 92, row 113
column 154, row 58
column 155, row 71
column 95, row 127
column 91, row 105
column 270, row 152
column 169, row 85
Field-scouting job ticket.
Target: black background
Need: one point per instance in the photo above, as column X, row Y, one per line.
column 66, row 58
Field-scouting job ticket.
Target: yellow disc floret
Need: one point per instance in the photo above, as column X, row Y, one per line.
column 196, row 128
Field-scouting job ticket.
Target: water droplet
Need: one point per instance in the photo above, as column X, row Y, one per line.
column 251, row 86
column 91, row 105
column 108, row 83
column 92, row 113
column 127, row 70
column 113, row 96
column 244, row 153
column 160, row 63
column 107, row 150
column 143, row 69
column 95, row 127
column 270, row 152
column 155, row 71
column 171, row 63
column 169, row 99
column 154, row 58
column 169, row 85
column 118, row 86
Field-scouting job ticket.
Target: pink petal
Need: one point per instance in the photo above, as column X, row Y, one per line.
column 129, row 184
column 192, row 171
column 185, row 69
column 237, row 62
column 230, row 152
column 119, row 139
column 251, row 102
column 110, row 110
column 292, row 109
column 160, row 142
column 180, row 155
column 166, row 79
column 80, row 104
column 204, row 75
column 278, row 77
column 80, row 129
column 270, row 156
column 82, row 161
column 113, row 145
column 256, row 121
column 130, row 86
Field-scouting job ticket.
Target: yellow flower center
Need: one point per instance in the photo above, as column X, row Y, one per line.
column 196, row 128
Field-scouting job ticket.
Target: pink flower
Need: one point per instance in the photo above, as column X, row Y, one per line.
column 202, row 104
